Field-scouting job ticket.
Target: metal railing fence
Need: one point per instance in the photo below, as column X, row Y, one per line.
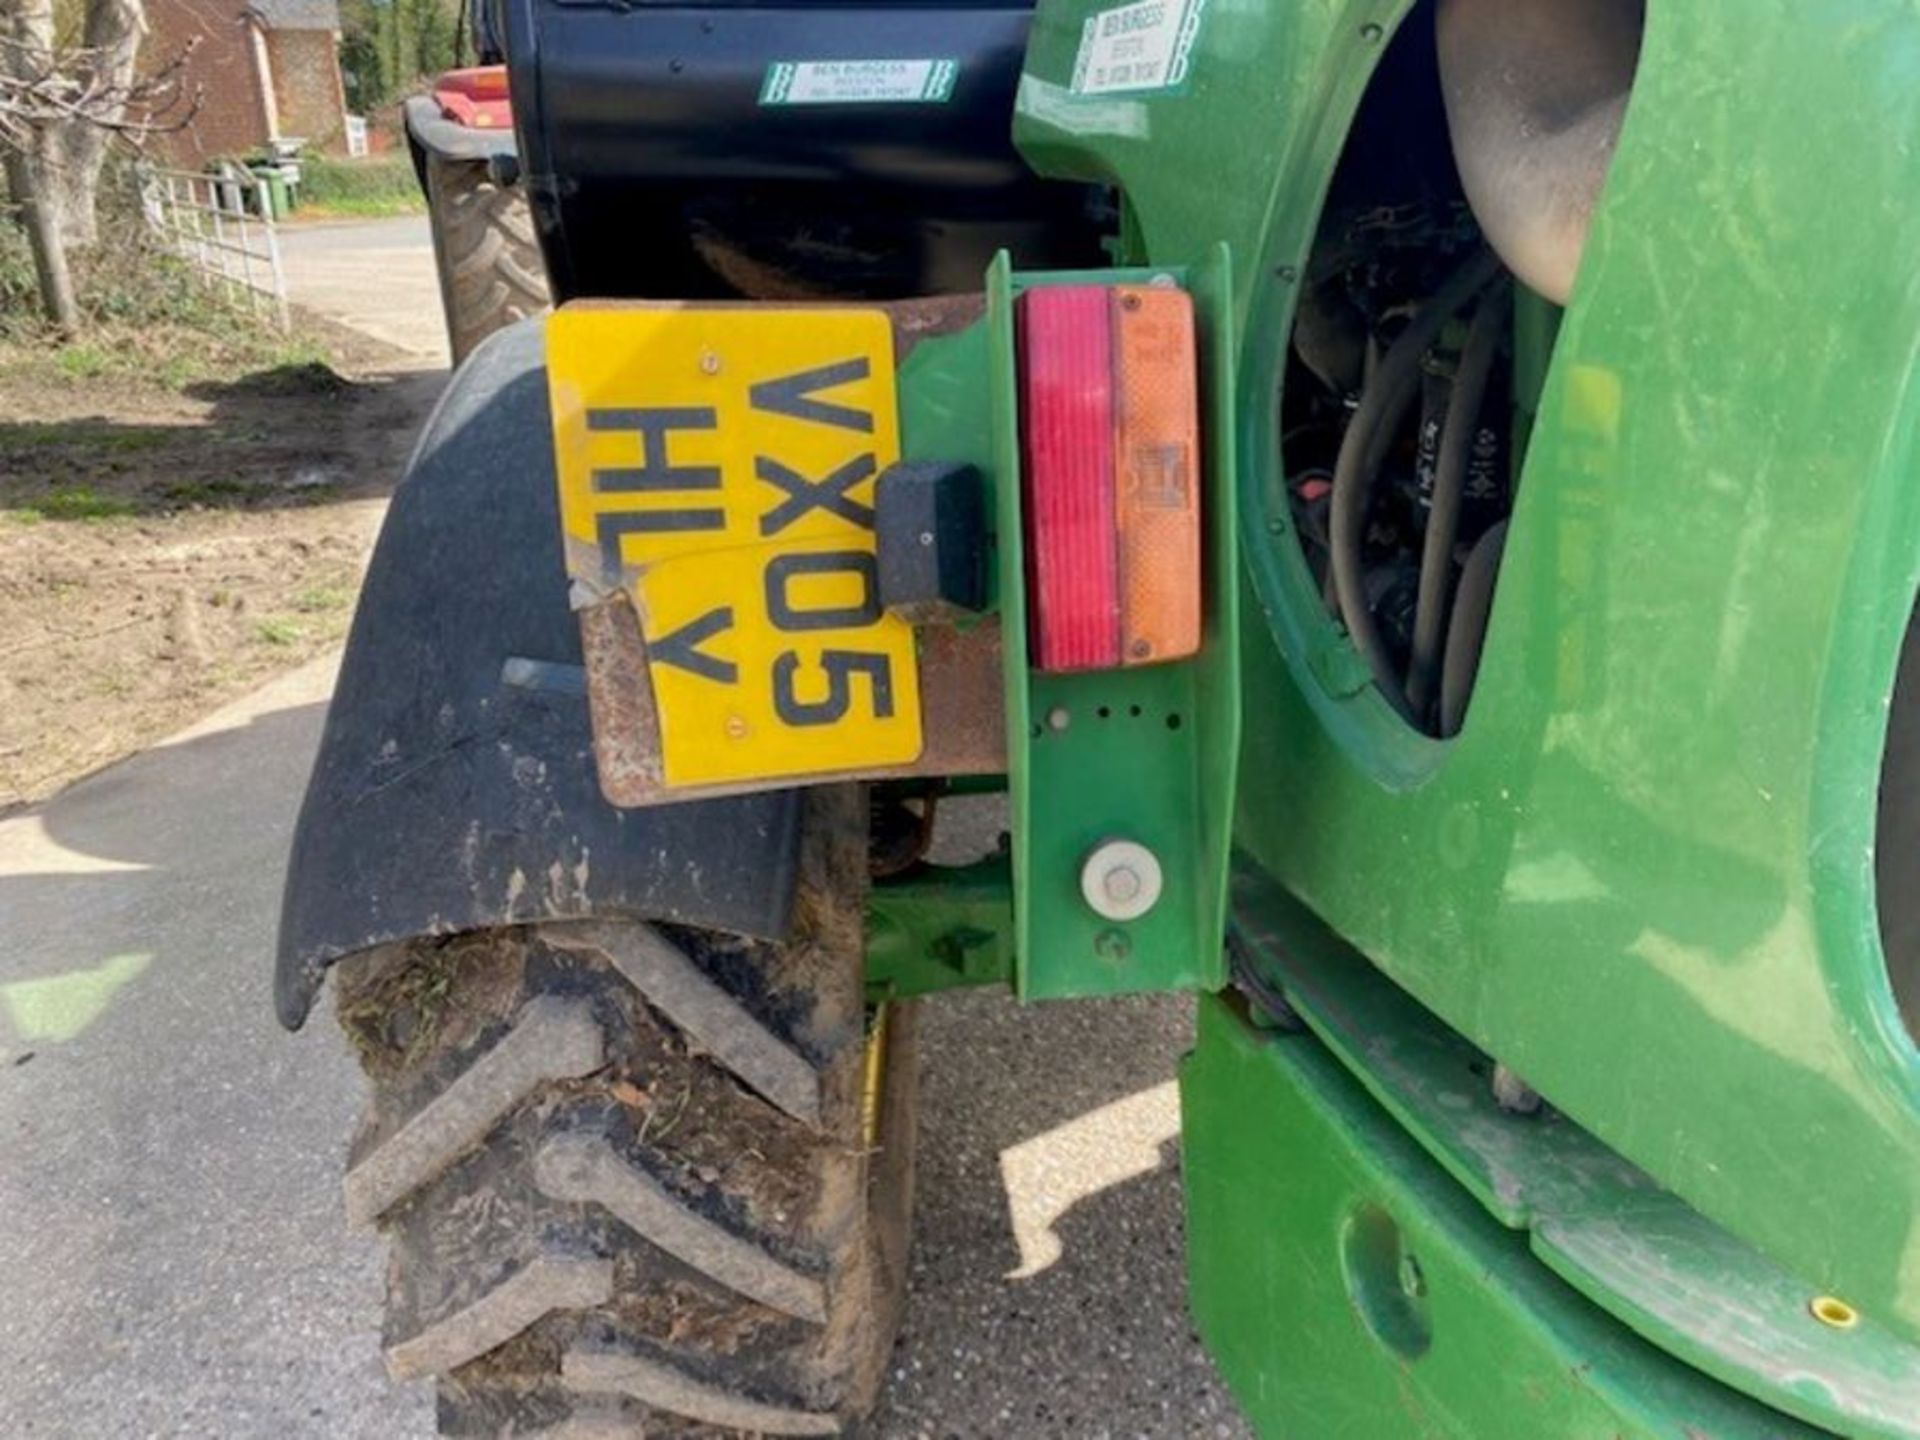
column 222, row 226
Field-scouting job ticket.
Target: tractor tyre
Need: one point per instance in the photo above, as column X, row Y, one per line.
column 490, row 269
column 637, row 1178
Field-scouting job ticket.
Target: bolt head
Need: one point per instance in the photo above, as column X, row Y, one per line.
column 1120, row 880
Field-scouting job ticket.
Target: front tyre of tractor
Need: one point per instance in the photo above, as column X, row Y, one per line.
column 641, row 1178
column 489, row 264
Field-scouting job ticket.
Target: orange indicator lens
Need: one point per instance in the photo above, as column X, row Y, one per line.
column 1157, row 473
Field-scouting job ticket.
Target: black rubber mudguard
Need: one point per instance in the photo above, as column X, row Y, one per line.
column 430, row 133
column 455, row 786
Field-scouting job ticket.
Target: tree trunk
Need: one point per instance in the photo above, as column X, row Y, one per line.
column 79, row 147
column 55, row 172
column 28, row 26
column 49, row 246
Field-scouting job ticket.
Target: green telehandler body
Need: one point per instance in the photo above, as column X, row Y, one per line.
column 1412, row 505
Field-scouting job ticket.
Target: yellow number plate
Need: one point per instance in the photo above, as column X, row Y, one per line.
column 719, row 465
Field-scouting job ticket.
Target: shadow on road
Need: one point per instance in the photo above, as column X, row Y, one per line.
column 114, row 864
column 293, row 434
column 170, row 1228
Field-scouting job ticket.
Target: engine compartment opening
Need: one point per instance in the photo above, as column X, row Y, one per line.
column 1427, row 309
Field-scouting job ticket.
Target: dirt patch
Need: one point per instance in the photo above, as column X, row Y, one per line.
column 177, row 524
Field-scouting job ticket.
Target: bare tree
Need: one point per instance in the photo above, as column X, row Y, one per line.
column 61, row 105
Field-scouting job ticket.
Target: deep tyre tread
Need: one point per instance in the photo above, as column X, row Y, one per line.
column 667, row 976
column 626, row 1172
column 665, row 1388
column 551, row 1039
column 484, row 247
column 589, row 1169
column 527, row 1296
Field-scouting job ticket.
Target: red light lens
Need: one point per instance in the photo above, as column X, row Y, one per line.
column 1066, row 370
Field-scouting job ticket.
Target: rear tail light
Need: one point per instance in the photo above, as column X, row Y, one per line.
column 1110, row 422
column 1073, row 582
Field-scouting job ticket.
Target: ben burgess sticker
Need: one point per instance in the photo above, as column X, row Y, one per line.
column 859, row 82
column 1143, row 46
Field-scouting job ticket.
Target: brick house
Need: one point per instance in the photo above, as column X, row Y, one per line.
column 265, row 70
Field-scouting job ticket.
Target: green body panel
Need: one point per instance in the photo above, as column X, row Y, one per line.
column 1145, row 753
column 1239, row 156
column 1347, row 1285
column 1642, row 876
column 1602, row 1225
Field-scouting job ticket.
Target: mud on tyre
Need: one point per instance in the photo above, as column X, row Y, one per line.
column 641, row 1176
column 484, row 248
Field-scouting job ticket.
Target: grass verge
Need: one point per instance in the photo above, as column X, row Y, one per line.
column 374, row 186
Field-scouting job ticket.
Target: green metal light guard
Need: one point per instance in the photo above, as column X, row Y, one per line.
column 1145, row 753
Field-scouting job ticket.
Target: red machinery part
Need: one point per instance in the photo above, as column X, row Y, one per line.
column 476, row 98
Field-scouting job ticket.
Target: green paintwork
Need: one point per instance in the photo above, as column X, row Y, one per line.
column 1348, row 1286
column 1145, row 753
column 1642, row 876
column 943, row 929
column 1148, row 753
column 941, row 387
column 1269, row 97
column 933, row 930
column 1603, row 1226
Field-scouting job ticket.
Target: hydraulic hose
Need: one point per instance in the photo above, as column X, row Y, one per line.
column 1457, row 434
column 1468, row 633
column 1364, row 448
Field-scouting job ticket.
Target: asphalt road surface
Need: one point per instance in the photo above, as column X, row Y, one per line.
column 173, row 1256
column 374, row 275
